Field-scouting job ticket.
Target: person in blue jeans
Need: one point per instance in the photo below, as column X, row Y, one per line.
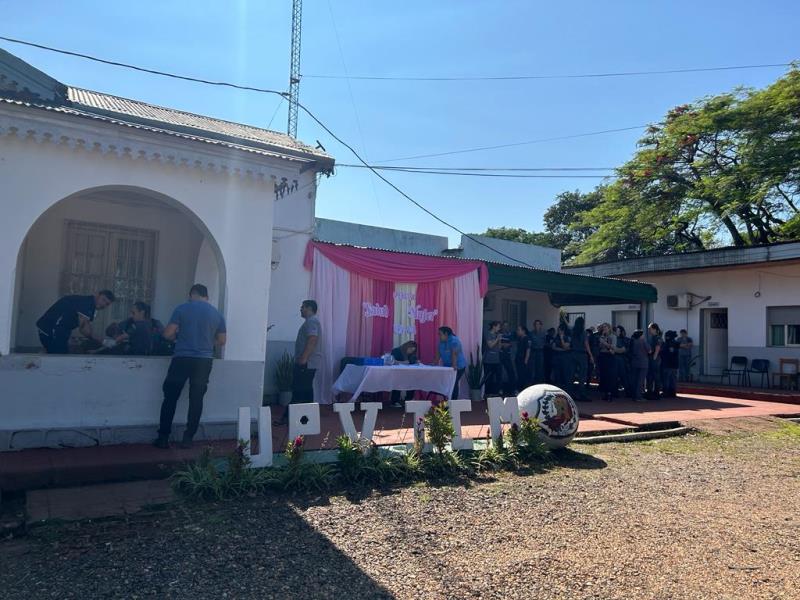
column 451, row 354
column 197, row 328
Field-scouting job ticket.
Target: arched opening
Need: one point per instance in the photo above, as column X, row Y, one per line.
column 138, row 243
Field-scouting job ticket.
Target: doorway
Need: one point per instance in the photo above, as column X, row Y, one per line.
column 715, row 340
column 629, row 319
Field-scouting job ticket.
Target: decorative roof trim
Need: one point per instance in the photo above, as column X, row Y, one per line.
column 68, row 137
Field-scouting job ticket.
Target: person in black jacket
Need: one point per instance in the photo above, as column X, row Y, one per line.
column 670, row 353
column 406, row 354
column 68, row 313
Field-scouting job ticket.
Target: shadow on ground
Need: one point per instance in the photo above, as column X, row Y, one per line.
column 255, row 548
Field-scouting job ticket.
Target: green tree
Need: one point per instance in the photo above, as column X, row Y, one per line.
column 559, row 219
column 724, row 170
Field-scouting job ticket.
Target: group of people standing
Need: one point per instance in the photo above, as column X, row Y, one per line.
column 645, row 365
column 512, row 362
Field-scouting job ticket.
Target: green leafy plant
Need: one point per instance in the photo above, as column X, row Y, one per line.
column 284, row 372
column 439, row 427
column 475, row 370
column 531, row 447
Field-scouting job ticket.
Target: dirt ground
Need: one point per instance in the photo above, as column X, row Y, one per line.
column 715, row 514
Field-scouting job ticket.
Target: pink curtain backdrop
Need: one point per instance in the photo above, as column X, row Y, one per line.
column 359, row 328
column 397, row 267
column 456, row 295
column 383, row 327
column 427, row 339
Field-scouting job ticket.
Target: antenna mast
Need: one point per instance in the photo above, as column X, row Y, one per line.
column 294, row 66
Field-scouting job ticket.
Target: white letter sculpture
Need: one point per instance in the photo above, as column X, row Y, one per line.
column 264, row 456
column 502, row 411
column 456, row 408
column 345, row 409
column 308, row 411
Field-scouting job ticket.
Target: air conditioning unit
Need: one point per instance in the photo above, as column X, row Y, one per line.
column 679, row 302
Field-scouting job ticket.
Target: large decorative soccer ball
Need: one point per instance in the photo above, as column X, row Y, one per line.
column 556, row 411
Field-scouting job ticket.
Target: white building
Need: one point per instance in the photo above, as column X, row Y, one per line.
column 105, row 192
column 732, row 301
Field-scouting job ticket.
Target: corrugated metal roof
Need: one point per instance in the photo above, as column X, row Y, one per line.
column 185, row 122
column 704, row 259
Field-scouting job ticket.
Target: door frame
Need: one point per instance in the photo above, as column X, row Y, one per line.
column 705, row 321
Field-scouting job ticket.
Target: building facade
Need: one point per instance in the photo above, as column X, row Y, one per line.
column 732, row 301
column 106, row 192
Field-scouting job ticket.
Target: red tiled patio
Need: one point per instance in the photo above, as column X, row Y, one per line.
column 30, row 469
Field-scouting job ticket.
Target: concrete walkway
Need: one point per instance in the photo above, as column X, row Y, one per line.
column 53, row 468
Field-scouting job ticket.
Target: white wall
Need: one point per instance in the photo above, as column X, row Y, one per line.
column 235, row 211
column 539, row 306
column 731, row 288
column 294, row 225
column 176, row 254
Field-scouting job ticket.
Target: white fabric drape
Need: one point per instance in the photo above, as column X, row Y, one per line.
column 469, row 317
column 405, row 298
column 330, row 287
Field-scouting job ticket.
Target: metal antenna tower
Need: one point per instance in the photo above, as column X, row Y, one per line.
column 294, row 66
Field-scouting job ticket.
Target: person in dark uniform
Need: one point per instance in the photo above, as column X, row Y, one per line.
column 507, row 340
column 140, row 332
column 71, row 312
column 548, row 355
column 405, row 354
column 523, row 360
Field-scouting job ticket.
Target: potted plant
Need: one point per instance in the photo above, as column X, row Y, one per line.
column 475, row 376
column 284, row 374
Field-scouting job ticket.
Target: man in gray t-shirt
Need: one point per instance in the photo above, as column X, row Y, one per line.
column 307, row 353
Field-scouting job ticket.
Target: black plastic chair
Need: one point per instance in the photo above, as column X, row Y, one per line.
column 739, row 368
column 759, row 366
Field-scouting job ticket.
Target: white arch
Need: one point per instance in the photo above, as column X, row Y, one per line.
column 209, row 245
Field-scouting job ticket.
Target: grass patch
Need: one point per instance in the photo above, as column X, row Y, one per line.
column 788, row 431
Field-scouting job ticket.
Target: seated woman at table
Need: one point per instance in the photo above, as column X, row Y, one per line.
column 451, row 354
column 406, row 354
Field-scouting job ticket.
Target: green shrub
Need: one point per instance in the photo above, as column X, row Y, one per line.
column 439, row 427
column 284, row 372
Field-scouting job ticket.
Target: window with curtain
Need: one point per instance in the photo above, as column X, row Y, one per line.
column 783, row 325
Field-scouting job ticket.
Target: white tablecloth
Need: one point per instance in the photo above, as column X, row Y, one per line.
column 356, row 380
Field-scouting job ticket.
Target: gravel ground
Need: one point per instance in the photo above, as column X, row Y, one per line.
column 704, row 516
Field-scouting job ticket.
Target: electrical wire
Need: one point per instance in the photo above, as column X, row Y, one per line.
column 304, row 109
column 534, row 77
column 393, row 167
column 514, row 144
column 145, row 70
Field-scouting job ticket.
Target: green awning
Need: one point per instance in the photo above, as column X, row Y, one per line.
column 570, row 289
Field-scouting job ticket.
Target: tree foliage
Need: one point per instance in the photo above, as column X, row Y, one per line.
column 723, row 170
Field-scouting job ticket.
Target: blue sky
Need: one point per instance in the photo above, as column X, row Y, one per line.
column 248, row 42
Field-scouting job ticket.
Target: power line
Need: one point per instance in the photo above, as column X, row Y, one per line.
column 144, row 70
column 514, row 144
column 534, row 77
column 305, row 110
column 425, row 168
column 474, row 174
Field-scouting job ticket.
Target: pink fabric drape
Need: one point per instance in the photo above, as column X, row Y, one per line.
column 396, row 267
column 446, row 302
column 382, row 327
column 427, row 338
column 359, row 328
